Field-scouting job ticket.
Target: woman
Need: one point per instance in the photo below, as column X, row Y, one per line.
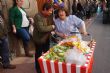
column 67, row 25
column 20, row 23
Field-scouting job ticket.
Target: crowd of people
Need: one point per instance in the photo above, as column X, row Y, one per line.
column 86, row 10
column 61, row 23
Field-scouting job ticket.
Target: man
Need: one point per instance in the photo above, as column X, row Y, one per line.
column 42, row 29
column 4, row 48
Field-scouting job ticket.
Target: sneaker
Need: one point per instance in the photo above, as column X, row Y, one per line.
column 9, row 66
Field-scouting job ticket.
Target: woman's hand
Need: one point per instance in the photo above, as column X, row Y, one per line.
column 65, row 36
column 14, row 29
column 61, row 35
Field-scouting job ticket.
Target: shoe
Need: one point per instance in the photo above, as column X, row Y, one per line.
column 9, row 66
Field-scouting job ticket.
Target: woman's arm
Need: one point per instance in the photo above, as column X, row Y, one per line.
column 80, row 24
column 61, row 34
column 82, row 29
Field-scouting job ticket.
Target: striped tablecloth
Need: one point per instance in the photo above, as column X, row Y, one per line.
column 49, row 66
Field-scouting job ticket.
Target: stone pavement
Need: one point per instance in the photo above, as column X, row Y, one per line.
column 23, row 65
column 101, row 33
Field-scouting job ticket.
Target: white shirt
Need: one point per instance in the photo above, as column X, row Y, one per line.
column 25, row 21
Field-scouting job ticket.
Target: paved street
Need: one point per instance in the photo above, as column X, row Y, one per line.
column 23, row 65
column 100, row 33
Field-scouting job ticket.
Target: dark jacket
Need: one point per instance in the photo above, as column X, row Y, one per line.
column 3, row 28
column 42, row 28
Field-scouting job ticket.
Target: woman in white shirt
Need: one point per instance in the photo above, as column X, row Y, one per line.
column 20, row 23
column 68, row 25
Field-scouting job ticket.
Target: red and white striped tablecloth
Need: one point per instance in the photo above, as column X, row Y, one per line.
column 49, row 66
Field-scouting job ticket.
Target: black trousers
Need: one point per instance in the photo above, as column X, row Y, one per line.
column 39, row 49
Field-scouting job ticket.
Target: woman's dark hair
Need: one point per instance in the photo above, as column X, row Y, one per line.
column 14, row 3
column 47, row 6
column 61, row 9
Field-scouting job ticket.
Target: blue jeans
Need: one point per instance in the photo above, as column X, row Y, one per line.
column 4, row 51
column 24, row 35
